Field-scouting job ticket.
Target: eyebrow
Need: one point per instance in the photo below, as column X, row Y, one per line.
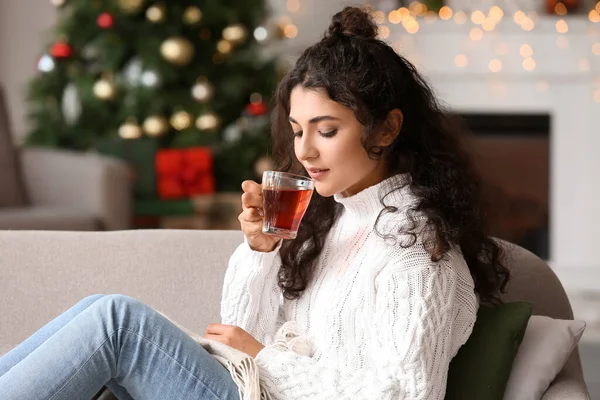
column 316, row 119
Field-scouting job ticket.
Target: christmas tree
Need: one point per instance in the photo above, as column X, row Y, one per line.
column 177, row 73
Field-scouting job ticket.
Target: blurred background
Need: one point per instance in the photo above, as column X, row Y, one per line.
column 129, row 114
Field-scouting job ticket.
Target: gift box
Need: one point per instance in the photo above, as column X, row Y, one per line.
column 182, row 173
column 139, row 154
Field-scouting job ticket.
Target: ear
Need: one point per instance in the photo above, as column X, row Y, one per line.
column 391, row 128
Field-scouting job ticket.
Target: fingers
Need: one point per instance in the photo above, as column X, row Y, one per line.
column 250, row 215
column 217, row 329
column 251, row 187
column 219, row 338
column 252, row 200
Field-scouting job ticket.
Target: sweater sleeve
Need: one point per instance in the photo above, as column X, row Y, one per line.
column 251, row 296
column 421, row 319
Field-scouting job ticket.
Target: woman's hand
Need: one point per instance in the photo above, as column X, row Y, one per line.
column 234, row 336
column 251, row 220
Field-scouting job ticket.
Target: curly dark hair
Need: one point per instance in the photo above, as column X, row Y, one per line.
column 358, row 71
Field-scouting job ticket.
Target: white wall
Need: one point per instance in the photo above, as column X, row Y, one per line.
column 22, row 26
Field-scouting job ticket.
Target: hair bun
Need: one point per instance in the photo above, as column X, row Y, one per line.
column 353, row 22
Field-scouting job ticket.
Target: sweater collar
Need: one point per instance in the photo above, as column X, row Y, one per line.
column 368, row 201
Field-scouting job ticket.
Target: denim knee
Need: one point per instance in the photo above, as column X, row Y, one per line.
column 120, row 302
column 89, row 300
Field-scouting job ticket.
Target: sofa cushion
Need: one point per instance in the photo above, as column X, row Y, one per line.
column 545, row 349
column 481, row 368
column 46, row 218
column 13, row 192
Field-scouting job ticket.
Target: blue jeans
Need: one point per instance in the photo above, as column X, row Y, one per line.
column 118, row 342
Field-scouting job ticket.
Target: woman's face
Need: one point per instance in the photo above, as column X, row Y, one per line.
column 327, row 141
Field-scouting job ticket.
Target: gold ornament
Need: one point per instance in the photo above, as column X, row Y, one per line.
column 157, row 13
column 130, row 129
column 208, row 121
column 235, row 33
column 131, row 6
column 224, row 46
column 177, row 50
column 156, row 125
column 57, row 3
column 192, row 15
column 181, row 120
column 104, row 89
column 202, row 91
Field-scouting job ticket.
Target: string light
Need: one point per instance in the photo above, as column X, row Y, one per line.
column 411, row 25
column 562, row 26
column 476, row 34
column 290, row 31
column 293, row 6
column 395, row 17
column 408, row 17
column 460, row 17
column 496, row 13
column 384, row 32
column 404, row 12
column 527, row 24
column 477, row 17
column 519, row 17
column 489, row 24
column 526, row 51
column 445, row 13
column 529, row 64
column 495, row 65
column 461, row 60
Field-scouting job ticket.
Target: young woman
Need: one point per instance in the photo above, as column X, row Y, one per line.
column 374, row 297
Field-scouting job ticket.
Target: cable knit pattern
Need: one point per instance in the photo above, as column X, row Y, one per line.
column 378, row 321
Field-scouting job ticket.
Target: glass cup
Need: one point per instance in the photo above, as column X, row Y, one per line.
column 285, row 200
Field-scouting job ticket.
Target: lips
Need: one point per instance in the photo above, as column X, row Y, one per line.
column 316, row 173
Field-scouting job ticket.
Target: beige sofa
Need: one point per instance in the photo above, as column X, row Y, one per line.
column 181, row 274
column 48, row 189
column 70, row 191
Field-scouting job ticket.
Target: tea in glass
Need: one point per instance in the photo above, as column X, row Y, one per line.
column 285, row 200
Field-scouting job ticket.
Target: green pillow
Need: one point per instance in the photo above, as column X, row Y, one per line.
column 482, row 365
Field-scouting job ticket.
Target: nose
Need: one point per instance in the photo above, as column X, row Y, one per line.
column 305, row 148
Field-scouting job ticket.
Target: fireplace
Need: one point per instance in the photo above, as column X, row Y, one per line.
column 512, row 155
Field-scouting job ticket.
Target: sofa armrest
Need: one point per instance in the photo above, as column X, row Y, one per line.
column 567, row 386
column 84, row 181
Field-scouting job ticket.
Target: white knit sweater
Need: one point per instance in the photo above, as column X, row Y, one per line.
column 378, row 321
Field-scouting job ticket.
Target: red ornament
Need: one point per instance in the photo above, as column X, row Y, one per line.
column 256, row 109
column 105, row 20
column 182, row 173
column 61, row 50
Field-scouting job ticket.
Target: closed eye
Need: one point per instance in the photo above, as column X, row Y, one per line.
column 328, row 134
column 324, row 134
